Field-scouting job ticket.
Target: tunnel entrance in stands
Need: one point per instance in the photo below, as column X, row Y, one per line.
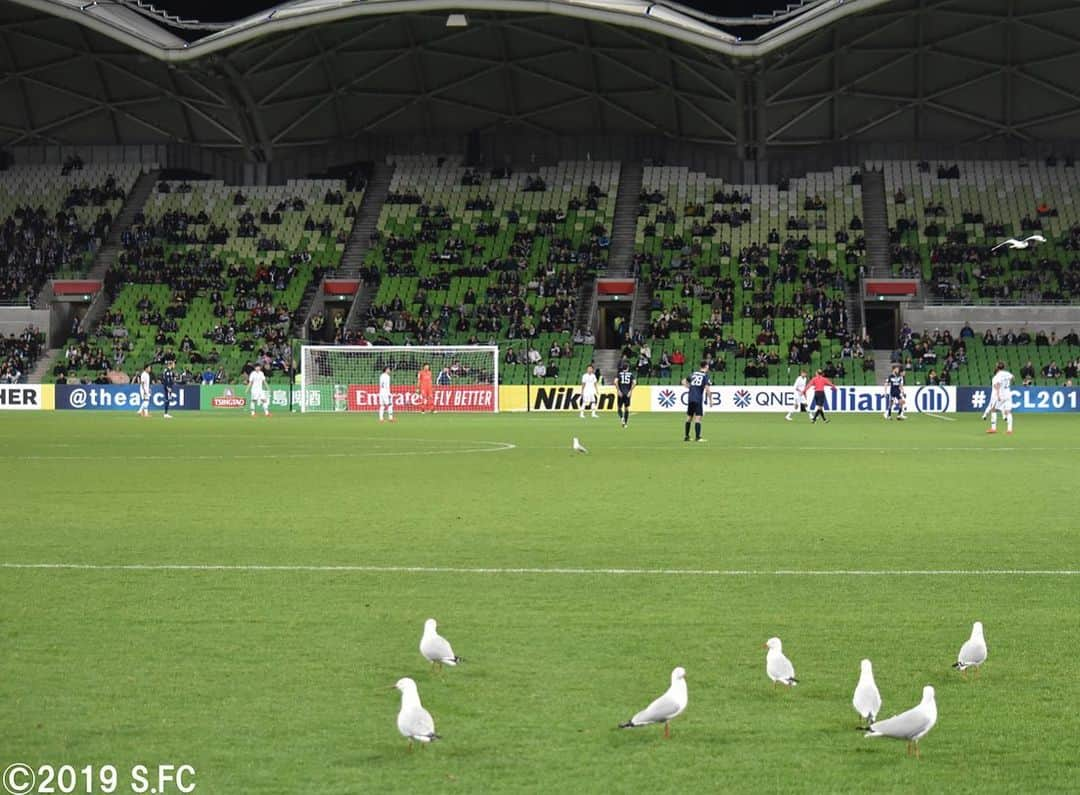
column 883, row 325
column 614, row 324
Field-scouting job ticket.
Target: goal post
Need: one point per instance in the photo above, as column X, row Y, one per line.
column 345, row 378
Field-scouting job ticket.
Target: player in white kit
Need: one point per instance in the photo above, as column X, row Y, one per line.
column 1000, row 398
column 259, row 394
column 799, row 387
column 144, row 392
column 589, row 396
column 386, row 397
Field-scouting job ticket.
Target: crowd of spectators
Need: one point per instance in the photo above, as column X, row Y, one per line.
column 18, row 354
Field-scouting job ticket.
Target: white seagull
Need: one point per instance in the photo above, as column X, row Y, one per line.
column 435, row 648
column 777, row 666
column 867, row 699
column 413, row 721
column 911, row 725
column 578, row 447
column 666, row 708
column 1012, row 242
column 973, row 652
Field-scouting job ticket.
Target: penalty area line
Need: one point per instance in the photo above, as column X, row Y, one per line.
column 532, row 570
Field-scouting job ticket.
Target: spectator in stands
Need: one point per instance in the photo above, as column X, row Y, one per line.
column 900, row 197
column 1072, row 368
column 1041, row 340
column 1052, row 371
column 539, row 369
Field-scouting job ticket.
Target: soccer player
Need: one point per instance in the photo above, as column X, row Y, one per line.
column 625, row 381
column 144, row 392
column 799, row 388
column 589, row 397
column 168, row 381
column 386, row 397
column 895, row 396
column 819, row 383
column 258, row 393
column 1001, row 398
column 425, row 388
column 698, row 385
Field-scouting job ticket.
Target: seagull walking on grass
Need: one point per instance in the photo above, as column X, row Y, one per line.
column 578, row 447
column 413, row 721
column 777, row 666
column 435, row 648
column 911, row 725
column 666, row 708
column 867, row 699
column 1013, row 243
column 973, row 652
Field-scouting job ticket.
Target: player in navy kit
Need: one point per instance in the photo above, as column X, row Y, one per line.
column 168, row 385
column 625, row 380
column 894, row 385
column 698, row 385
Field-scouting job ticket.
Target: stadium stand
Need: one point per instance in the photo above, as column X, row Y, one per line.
column 469, row 256
column 968, row 359
column 53, row 218
column 212, row 275
column 18, row 353
column 944, row 219
column 753, row 277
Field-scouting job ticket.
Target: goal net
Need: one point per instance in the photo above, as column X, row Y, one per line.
column 346, row 377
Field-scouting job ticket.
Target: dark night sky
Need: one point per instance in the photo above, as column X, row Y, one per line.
column 228, row 10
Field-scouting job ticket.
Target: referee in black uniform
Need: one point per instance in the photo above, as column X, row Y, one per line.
column 168, row 382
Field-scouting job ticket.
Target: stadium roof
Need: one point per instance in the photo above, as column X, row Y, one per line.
column 309, row 72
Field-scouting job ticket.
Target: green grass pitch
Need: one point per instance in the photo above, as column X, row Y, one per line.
column 274, row 680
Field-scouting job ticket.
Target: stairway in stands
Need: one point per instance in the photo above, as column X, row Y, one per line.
column 876, row 225
column 608, row 363
column 367, row 219
column 103, row 258
column 624, row 225
column 134, row 202
column 357, row 247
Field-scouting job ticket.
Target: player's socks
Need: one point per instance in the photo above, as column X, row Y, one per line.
column 993, row 420
column 1008, row 423
column 686, row 435
column 697, row 431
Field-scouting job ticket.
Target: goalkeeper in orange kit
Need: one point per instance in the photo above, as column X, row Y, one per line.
column 425, row 388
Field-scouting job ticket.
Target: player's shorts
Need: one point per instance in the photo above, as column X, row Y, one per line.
column 800, row 400
column 693, row 408
column 386, row 399
column 896, row 393
column 258, row 397
column 819, row 399
column 588, row 398
column 1004, row 404
column 623, row 400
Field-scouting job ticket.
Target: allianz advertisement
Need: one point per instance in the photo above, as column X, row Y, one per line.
column 845, row 399
column 122, row 397
column 1027, row 399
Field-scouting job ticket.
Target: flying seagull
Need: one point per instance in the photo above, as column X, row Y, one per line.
column 973, row 652
column 911, row 725
column 777, row 666
column 867, row 699
column 1012, row 242
column 435, row 648
column 413, row 721
column 664, row 709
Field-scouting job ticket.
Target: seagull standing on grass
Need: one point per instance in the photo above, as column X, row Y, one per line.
column 867, row 699
column 435, row 648
column 578, row 447
column 1012, row 242
column 413, row 721
column 666, row 708
column 777, row 666
column 973, row 652
column 911, row 725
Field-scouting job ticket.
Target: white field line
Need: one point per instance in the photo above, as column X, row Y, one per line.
column 358, row 569
column 936, row 416
column 493, row 447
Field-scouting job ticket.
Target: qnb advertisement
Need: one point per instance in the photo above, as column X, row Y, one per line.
column 1027, row 399
column 479, row 397
column 845, row 399
column 123, row 397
